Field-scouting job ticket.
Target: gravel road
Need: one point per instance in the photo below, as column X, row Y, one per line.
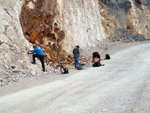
column 121, row 86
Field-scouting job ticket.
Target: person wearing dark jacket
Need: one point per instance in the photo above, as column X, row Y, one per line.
column 39, row 54
column 76, row 53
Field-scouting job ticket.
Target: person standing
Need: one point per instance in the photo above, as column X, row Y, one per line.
column 76, row 53
column 39, row 54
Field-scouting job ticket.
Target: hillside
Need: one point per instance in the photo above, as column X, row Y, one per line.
column 59, row 25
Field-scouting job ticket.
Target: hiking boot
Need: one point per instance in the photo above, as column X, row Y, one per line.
column 33, row 62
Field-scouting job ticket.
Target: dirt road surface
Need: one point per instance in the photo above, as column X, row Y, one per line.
column 121, row 86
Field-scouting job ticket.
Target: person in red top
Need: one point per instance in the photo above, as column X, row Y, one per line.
column 96, row 55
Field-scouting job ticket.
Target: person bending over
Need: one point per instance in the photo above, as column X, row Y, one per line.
column 38, row 52
column 95, row 56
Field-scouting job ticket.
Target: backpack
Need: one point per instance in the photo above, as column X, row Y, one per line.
column 64, row 70
column 96, row 64
column 80, row 67
column 107, row 57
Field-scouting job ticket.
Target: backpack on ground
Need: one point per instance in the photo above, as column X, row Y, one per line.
column 96, row 64
column 80, row 67
column 107, row 57
column 64, row 70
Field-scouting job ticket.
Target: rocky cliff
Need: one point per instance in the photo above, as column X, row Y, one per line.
column 58, row 25
column 127, row 20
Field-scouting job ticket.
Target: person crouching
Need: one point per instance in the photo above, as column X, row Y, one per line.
column 96, row 55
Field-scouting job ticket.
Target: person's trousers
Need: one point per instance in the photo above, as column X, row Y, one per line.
column 41, row 57
column 76, row 61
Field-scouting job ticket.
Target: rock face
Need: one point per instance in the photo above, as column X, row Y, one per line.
column 122, row 16
column 12, row 42
column 38, row 23
column 61, row 24
column 14, row 61
column 58, row 25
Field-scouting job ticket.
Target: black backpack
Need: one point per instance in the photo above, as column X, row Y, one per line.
column 107, row 57
column 96, row 64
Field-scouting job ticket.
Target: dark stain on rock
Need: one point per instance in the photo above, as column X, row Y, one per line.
column 138, row 1
column 56, row 30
